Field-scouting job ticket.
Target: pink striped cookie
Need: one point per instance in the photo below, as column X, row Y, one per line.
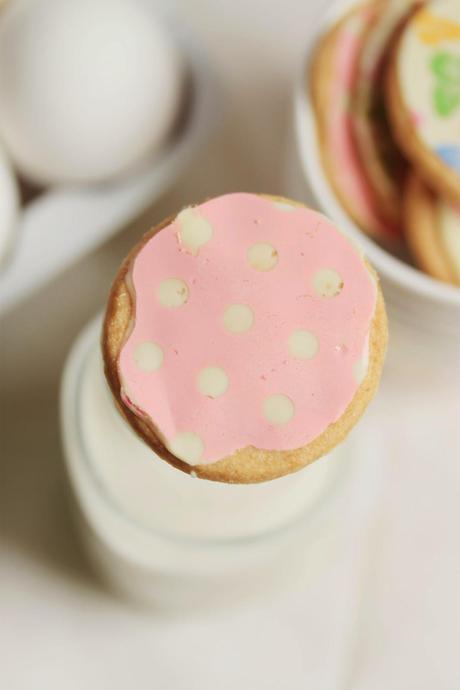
column 333, row 80
column 382, row 161
column 244, row 338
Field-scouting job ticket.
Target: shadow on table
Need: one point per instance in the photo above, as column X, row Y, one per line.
column 35, row 513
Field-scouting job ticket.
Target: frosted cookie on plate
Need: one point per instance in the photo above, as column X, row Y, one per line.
column 432, row 229
column 244, row 337
column 423, row 95
column 332, row 77
column 381, row 159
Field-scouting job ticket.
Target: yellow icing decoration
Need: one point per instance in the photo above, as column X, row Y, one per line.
column 432, row 30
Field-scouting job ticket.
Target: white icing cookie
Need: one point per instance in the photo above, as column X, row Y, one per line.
column 424, row 95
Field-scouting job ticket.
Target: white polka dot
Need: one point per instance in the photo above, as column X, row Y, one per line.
column 284, row 206
column 361, row 366
column 212, row 382
column 195, row 230
column 262, row 256
column 172, row 293
column 187, row 446
column 303, row 344
column 238, row 318
column 327, row 282
column 278, row 409
column 148, row 356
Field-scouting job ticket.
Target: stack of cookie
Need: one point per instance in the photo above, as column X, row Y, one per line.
column 385, row 87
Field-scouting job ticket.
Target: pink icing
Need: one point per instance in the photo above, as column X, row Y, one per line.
column 353, row 180
column 257, row 362
column 416, row 118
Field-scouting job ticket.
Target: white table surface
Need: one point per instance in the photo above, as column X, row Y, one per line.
column 381, row 609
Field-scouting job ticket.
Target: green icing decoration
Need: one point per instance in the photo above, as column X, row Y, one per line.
column 446, row 95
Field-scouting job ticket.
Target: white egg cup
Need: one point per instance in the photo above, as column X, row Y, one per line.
column 164, row 537
column 424, row 313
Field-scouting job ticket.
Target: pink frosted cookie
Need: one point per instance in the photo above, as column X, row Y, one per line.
column 333, row 81
column 381, row 159
column 244, row 337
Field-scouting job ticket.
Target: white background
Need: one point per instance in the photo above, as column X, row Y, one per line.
column 382, row 614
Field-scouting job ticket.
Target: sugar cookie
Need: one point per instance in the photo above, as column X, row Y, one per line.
column 423, row 95
column 250, row 368
column 382, row 162
column 332, row 78
column 432, row 228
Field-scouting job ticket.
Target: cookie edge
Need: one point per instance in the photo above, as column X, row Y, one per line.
column 420, row 230
column 430, row 168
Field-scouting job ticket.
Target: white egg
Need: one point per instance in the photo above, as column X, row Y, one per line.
column 89, row 89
